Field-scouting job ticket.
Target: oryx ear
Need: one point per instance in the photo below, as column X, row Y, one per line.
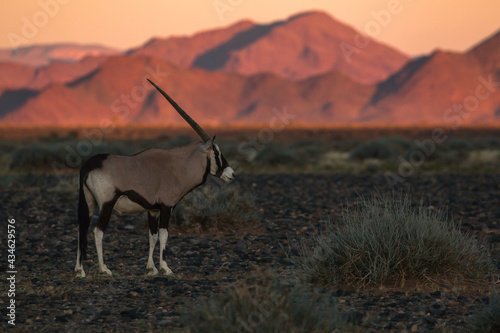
column 208, row 145
column 213, row 139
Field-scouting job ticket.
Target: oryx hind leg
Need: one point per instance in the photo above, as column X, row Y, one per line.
column 153, row 221
column 79, row 265
column 91, row 206
column 164, row 220
column 102, row 223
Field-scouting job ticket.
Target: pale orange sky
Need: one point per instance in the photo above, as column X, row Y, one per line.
column 418, row 27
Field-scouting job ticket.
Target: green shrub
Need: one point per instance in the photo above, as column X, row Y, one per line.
column 171, row 143
column 41, row 155
column 345, row 145
column 488, row 320
column 6, row 147
column 37, row 156
column 382, row 148
column 298, row 154
column 275, row 154
column 220, row 208
column 229, row 148
column 459, row 144
column 389, row 241
column 309, row 151
column 269, row 307
column 486, row 143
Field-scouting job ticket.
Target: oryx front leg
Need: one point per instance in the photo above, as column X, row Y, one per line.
column 102, row 223
column 153, row 238
column 164, row 219
column 163, row 242
column 98, row 235
column 152, row 243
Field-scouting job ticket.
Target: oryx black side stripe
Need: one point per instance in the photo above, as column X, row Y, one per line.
column 137, row 198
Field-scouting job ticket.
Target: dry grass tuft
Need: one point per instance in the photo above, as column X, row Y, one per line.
column 389, row 241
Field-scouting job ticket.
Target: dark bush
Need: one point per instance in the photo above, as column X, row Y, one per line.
column 72, row 152
column 383, row 148
column 275, row 154
column 487, row 320
column 268, row 307
column 220, row 208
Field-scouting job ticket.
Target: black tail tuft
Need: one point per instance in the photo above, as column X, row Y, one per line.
column 83, row 220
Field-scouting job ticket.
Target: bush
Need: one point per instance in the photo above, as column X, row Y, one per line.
column 486, row 143
column 389, row 241
column 383, row 148
column 309, row 151
column 459, row 144
column 220, row 208
column 37, row 156
column 40, row 156
column 179, row 141
column 275, row 154
column 270, row 307
column 488, row 320
column 6, row 147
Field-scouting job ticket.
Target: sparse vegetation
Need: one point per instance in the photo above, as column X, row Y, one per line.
column 382, row 148
column 221, row 208
column 487, row 320
column 390, row 241
column 71, row 153
column 299, row 155
column 269, row 307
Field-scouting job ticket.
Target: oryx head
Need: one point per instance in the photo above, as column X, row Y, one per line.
column 218, row 164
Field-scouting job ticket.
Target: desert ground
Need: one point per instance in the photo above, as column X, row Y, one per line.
column 297, row 181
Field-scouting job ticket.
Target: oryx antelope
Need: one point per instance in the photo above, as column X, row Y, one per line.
column 154, row 180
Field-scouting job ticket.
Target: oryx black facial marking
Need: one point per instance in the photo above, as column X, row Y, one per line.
column 153, row 180
column 218, row 162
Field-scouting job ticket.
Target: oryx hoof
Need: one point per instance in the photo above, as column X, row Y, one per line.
column 80, row 273
column 105, row 271
column 165, row 270
column 152, row 271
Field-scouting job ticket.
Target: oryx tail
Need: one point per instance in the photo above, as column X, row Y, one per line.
column 83, row 218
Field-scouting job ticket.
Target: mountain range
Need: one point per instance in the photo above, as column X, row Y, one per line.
column 245, row 73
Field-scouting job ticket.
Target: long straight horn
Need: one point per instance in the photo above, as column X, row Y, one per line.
column 183, row 114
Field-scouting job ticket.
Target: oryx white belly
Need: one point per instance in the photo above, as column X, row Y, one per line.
column 125, row 205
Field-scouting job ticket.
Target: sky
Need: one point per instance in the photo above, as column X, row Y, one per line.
column 414, row 27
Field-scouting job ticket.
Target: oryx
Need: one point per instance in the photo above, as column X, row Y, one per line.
column 154, row 180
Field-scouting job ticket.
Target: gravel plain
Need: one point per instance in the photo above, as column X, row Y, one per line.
column 50, row 298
